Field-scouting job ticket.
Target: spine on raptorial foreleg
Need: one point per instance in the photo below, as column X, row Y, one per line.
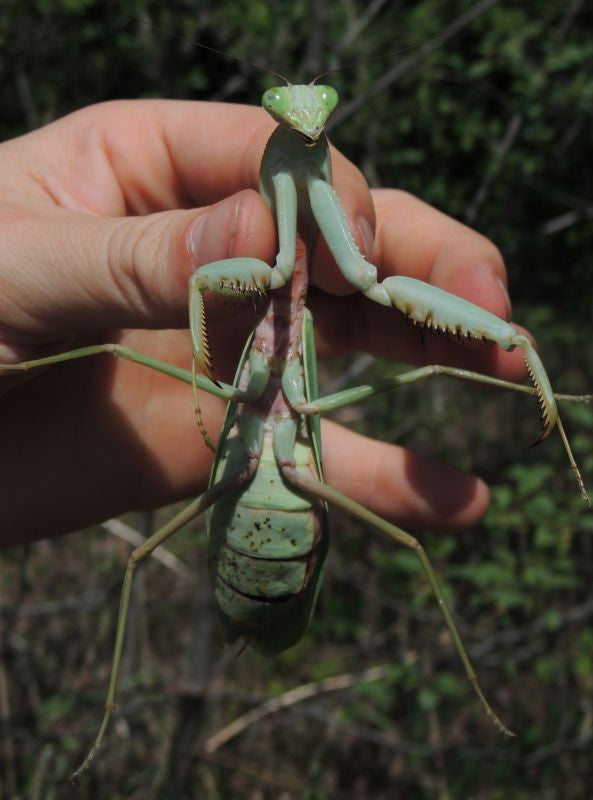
column 446, row 313
column 541, row 384
column 250, row 277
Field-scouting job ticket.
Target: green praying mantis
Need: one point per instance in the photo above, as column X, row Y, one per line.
column 267, row 502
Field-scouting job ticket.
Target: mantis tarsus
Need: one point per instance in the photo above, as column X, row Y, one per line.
column 266, row 502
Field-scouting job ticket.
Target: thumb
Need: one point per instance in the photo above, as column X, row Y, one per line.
column 66, row 272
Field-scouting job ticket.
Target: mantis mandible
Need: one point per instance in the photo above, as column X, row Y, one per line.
column 266, row 502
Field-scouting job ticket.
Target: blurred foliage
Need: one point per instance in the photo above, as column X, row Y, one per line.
column 491, row 123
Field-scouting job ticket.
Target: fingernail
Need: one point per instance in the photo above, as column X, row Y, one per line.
column 212, row 234
column 368, row 238
column 507, row 299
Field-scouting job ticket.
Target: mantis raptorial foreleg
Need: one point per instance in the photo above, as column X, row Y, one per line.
column 238, row 277
column 430, row 306
column 423, row 303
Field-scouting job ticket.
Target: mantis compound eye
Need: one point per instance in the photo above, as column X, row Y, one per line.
column 328, row 97
column 275, row 101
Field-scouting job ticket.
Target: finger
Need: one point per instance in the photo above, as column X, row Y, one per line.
column 66, row 271
column 139, row 157
column 404, row 487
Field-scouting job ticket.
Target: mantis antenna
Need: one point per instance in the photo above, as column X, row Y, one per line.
column 241, row 60
column 430, row 43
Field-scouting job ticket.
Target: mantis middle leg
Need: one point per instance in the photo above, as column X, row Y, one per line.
column 353, row 395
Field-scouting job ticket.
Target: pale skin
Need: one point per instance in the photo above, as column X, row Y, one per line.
column 96, row 248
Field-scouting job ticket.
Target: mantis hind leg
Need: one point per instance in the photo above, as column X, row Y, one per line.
column 200, row 504
column 310, row 486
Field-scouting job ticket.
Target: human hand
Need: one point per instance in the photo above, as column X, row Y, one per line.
column 92, row 252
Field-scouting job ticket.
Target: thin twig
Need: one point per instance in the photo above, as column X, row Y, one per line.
column 574, row 615
column 76, row 602
column 557, row 748
column 297, row 695
column 571, row 11
column 402, row 67
column 354, row 369
column 7, row 748
column 135, row 538
column 40, row 773
column 266, row 775
column 500, row 152
column 566, row 220
column 355, row 29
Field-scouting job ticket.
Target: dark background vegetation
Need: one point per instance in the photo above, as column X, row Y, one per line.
column 491, row 123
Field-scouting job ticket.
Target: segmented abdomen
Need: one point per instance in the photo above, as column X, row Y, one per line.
column 266, row 548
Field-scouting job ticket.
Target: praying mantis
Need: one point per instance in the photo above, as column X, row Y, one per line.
column 267, row 501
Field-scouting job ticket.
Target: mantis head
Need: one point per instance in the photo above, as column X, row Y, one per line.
column 305, row 109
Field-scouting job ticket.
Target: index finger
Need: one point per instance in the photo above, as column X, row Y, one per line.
column 145, row 156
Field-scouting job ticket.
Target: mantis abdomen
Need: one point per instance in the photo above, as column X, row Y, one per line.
column 267, row 545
